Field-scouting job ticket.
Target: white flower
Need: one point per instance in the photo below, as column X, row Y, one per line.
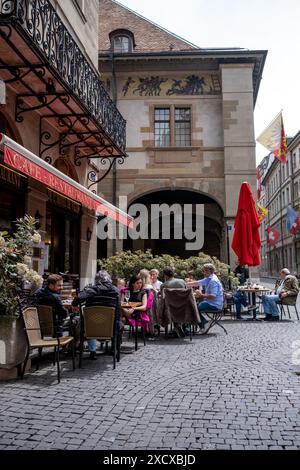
column 2, row 242
column 22, row 269
column 37, row 280
column 36, row 238
column 34, row 278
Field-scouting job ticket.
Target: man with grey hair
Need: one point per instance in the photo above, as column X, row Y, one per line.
column 103, row 292
column 287, row 289
column 210, row 295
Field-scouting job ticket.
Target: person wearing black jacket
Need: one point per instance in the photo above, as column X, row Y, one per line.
column 103, row 293
column 50, row 295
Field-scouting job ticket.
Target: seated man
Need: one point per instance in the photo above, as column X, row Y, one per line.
column 171, row 282
column 239, row 299
column 103, row 293
column 211, row 297
column 50, row 295
column 242, row 272
column 288, row 289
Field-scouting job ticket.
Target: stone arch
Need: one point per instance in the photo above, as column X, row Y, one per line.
column 63, row 165
column 153, row 188
column 213, row 223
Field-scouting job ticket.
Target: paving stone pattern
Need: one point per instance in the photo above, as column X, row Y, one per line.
column 239, row 391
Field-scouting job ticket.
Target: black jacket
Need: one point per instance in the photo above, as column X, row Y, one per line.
column 104, row 293
column 45, row 296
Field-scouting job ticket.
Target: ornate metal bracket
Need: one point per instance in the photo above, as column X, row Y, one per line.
column 92, row 175
column 43, row 100
column 67, row 123
column 21, row 71
column 93, row 151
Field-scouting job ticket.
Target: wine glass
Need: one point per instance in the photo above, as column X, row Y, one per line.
column 127, row 295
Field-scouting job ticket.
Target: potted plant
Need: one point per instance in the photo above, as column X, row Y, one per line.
column 15, row 274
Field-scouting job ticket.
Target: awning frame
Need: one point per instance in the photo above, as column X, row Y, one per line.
column 95, row 202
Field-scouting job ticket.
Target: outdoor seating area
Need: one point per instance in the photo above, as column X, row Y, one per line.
column 137, row 314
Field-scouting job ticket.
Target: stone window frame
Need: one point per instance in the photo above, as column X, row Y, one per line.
column 172, row 108
column 122, row 33
column 80, row 7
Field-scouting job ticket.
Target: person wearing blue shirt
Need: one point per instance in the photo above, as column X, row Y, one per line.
column 211, row 295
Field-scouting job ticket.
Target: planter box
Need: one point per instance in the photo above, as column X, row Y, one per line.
column 13, row 343
column 10, row 374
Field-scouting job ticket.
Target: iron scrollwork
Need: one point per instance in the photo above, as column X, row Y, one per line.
column 92, row 175
column 43, row 100
column 43, row 26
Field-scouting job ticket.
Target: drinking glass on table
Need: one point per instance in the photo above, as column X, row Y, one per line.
column 127, row 295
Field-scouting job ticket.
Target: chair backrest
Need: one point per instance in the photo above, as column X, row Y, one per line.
column 291, row 300
column 45, row 313
column 179, row 305
column 99, row 322
column 32, row 324
column 150, row 299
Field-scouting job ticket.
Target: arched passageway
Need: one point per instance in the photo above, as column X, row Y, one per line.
column 213, row 224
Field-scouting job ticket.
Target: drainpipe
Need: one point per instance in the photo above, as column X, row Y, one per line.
column 114, row 167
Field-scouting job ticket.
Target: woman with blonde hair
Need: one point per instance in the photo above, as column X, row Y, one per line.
column 146, row 279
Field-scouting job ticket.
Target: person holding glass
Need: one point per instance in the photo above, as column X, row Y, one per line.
column 139, row 295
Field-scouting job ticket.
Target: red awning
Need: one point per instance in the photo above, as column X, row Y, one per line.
column 31, row 165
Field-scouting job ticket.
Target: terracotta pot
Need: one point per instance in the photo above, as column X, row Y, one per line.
column 13, row 344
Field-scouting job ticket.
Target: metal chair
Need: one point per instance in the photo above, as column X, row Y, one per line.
column 35, row 340
column 283, row 304
column 99, row 322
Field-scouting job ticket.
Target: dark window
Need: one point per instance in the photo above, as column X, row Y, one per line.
column 162, row 127
column 182, row 127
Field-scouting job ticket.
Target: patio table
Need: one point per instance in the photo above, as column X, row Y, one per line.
column 253, row 292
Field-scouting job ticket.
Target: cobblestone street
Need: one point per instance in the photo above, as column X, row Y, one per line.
column 239, row 391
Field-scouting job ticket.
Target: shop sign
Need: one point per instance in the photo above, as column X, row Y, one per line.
column 11, row 177
column 50, row 177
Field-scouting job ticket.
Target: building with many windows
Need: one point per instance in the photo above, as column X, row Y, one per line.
column 189, row 113
column 280, row 189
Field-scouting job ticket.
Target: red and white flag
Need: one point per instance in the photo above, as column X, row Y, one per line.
column 273, row 236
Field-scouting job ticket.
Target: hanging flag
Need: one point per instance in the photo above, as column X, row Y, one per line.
column 273, row 236
column 273, row 138
column 292, row 220
column 259, row 175
column 262, row 212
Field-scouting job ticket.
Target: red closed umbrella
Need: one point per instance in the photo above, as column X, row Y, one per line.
column 246, row 239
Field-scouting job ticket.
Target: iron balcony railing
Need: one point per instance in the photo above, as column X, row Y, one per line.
column 44, row 28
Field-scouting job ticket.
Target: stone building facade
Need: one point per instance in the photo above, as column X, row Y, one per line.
column 54, row 105
column 189, row 113
column 280, row 189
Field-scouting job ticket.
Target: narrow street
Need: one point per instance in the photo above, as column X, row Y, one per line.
column 239, row 391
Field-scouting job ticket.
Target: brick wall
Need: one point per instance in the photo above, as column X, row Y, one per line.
column 148, row 37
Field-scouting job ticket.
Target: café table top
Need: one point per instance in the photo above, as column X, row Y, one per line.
column 254, row 289
column 131, row 304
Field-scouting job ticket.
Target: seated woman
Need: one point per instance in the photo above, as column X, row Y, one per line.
column 137, row 294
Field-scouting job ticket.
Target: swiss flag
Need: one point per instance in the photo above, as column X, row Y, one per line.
column 295, row 226
column 273, row 236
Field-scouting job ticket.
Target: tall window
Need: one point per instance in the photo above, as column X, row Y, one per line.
column 172, row 127
column 162, row 127
column 80, row 4
column 182, row 127
column 296, row 189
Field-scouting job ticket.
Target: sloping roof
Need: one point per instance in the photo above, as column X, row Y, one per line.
column 148, row 35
